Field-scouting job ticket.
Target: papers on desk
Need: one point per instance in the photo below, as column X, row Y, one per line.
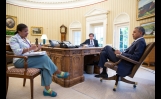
column 114, row 48
column 34, row 53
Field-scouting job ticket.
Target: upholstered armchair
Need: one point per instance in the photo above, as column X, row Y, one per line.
column 25, row 73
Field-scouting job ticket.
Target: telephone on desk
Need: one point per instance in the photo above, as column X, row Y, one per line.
column 63, row 44
column 66, row 44
column 54, row 43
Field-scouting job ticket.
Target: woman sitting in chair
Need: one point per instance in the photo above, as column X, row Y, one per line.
column 20, row 45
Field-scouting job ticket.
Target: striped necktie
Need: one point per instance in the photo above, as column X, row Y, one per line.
column 91, row 43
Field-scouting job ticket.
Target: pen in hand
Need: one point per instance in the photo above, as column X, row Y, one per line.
column 32, row 48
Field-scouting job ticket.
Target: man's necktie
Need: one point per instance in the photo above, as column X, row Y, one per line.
column 91, row 42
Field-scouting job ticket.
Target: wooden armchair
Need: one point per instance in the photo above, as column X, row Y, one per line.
column 137, row 64
column 25, row 73
column 9, row 60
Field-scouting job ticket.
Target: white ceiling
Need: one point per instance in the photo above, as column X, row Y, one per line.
column 53, row 4
column 52, row 1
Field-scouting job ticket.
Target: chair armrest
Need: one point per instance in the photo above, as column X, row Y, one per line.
column 15, row 56
column 9, row 53
column 25, row 61
column 127, row 59
column 110, row 64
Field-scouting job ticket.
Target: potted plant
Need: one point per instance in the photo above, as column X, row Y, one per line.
column 10, row 32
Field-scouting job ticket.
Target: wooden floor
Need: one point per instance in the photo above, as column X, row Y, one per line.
column 91, row 88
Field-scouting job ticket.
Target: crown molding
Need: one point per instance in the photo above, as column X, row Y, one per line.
column 96, row 11
column 53, row 4
column 51, row 1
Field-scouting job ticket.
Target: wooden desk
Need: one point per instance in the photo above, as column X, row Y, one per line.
column 71, row 60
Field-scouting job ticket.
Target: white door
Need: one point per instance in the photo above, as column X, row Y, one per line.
column 76, row 37
column 98, row 34
column 121, row 37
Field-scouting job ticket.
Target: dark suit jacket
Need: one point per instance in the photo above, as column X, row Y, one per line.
column 88, row 42
column 134, row 52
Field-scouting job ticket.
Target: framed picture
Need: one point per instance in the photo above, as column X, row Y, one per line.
column 11, row 22
column 145, row 9
column 36, row 30
column 149, row 29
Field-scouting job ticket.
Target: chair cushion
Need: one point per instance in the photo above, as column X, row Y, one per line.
column 20, row 71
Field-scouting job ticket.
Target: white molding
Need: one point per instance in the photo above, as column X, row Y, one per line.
column 96, row 16
column 52, row 1
column 41, row 4
column 75, row 25
column 96, row 11
column 122, row 19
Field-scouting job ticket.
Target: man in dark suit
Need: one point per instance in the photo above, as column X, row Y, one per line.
column 134, row 52
column 91, row 41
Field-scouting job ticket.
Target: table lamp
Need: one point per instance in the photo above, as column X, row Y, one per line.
column 44, row 38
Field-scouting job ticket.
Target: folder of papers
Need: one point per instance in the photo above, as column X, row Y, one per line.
column 34, row 53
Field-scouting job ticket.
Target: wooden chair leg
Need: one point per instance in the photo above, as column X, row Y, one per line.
column 7, row 82
column 117, row 79
column 109, row 78
column 130, row 82
column 24, row 81
column 127, row 81
column 31, row 86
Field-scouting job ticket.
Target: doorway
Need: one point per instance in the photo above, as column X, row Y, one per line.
column 121, row 37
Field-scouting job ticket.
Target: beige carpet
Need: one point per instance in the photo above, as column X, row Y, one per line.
column 91, row 88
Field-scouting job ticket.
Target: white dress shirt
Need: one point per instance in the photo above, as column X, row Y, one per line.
column 92, row 42
column 138, row 39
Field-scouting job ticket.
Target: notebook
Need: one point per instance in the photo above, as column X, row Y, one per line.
column 34, row 53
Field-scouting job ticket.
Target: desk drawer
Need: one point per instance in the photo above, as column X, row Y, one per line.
column 93, row 51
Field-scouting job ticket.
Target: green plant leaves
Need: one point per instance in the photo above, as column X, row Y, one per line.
column 9, row 32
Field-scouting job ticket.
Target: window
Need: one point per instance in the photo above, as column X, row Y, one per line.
column 121, row 32
column 123, row 38
column 77, row 37
column 98, row 35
